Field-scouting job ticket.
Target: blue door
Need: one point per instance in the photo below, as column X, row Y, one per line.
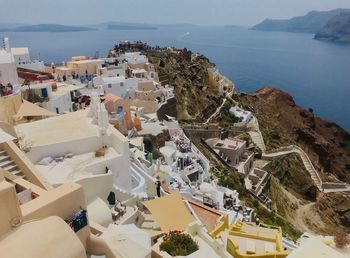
column 44, row 93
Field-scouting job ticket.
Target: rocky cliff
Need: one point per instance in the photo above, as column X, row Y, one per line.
column 187, row 72
column 336, row 29
column 312, row 22
column 282, row 123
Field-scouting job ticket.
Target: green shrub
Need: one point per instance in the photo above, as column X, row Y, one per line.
column 178, row 244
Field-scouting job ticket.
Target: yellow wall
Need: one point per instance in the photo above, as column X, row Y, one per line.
column 222, row 226
column 62, row 201
column 25, row 165
column 10, row 212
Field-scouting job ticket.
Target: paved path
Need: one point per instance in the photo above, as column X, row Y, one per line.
column 219, row 108
column 326, row 187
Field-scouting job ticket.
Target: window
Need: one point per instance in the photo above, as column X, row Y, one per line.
column 109, row 85
column 122, row 84
column 57, row 110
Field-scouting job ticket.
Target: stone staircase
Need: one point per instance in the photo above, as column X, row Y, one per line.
column 309, row 167
column 9, row 165
column 256, row 136
column 306, row 161
column 326, row 187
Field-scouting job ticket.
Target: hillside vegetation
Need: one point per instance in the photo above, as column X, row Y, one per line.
column 196, row 98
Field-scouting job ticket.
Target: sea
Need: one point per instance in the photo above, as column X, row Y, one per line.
column 315, row 73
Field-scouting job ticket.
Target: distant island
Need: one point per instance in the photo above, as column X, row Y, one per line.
column 337, row 29
column 46, row 28
column 313, row 22
column 231, row 26
column 130, row 27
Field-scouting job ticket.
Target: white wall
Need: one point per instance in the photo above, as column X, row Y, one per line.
column 35, row 65
column 76, row 147
column 121, row 169
column 8, row 73
column 97, row 186
column 63, row 103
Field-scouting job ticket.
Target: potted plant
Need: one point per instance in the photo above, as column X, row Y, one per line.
column 177, row 243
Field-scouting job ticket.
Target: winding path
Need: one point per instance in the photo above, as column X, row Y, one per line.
column 219, row 108
column 326, row 187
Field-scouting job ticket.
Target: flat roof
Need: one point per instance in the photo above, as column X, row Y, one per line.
column 64, row 88
column 153, row 128
column 138, row 70
column 314, row 247
column 74, row 168
column 136, row 141
column 85, row 61
column 228, row 143
column 170, row 212
column 113, row 79
column 20, row 51
column 63, row 68
column 63, row 128
column 208, row 216
column 167, row 150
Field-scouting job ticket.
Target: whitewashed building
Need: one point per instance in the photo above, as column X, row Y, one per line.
column 244, row 115
column 57, row 97
column 22, row 60
column 8, row 71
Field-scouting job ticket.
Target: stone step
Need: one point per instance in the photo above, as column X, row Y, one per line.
column 11, row 168
column 7, row 163
column 4, row 158
column 17, row 172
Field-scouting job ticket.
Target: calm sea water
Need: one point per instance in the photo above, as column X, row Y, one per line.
column 315, row 73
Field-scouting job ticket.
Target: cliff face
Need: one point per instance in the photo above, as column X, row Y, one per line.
column 310, row 23
column 196, row 97
column 282, row 123
column 337, row 29
column 327, row 144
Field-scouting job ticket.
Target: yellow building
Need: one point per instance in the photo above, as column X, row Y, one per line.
column 245, row 240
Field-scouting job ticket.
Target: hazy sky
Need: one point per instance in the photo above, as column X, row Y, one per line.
column 209, row 12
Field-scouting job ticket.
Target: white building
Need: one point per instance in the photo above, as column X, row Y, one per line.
column 116, row 85
column 78, row 145
column 22, row 59
column 8, row 70
column 112, row 67
column 57, row 97
column 134, row 58
column 245, row 116
column 61, row 99
column 234, row 152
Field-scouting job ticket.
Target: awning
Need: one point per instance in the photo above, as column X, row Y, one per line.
column 170, row 212
column 30, row 109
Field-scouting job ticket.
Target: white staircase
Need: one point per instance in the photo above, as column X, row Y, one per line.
column 9, row 165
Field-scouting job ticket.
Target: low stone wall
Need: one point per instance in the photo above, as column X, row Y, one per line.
column 202, row 133
column 334, row 185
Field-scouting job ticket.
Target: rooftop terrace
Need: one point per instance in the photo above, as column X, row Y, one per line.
column 69, row 127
